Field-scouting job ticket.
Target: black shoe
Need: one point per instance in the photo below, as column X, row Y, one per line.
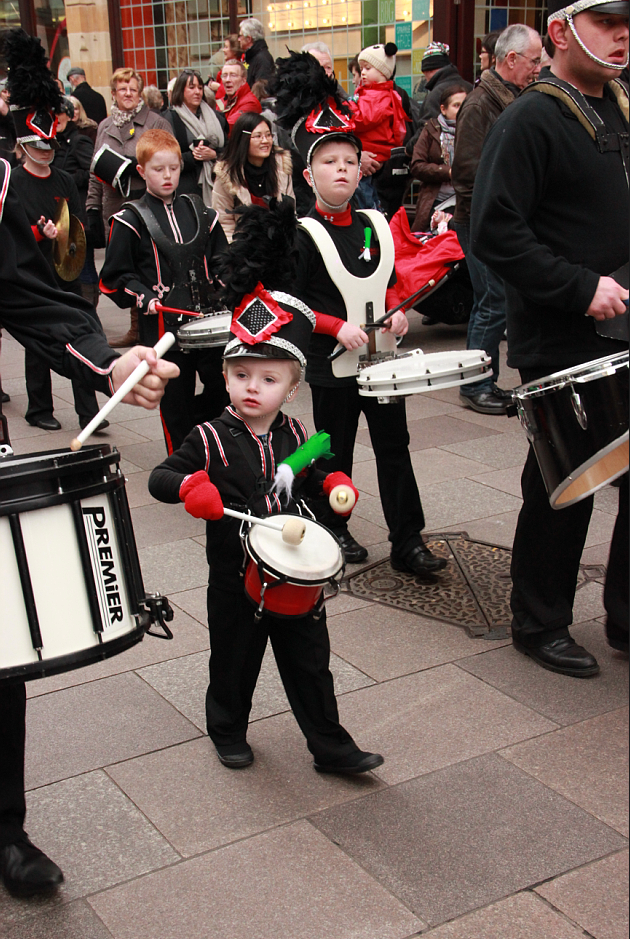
column 428, row 321
column 84, row 421
column 418, row 561
column 352, row 765
column 27, row 871
column 504, row 394
column 236, row 755
column 486, row 402
column 353, row 552
column 563, row 656
column 4, row 397
column 45, row 423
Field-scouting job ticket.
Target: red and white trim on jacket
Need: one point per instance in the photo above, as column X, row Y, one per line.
column 172, row 218
column 6, row 169
column 91, row 365
column 159, row 288
column 263, row 460
column 118, row 218
column 217, row 440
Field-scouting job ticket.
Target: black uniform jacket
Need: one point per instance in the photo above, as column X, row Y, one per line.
column 242, row 467
column 136, row 271
column 314, row 287
column 550, row 216
column 54, row 324
column 74, row 156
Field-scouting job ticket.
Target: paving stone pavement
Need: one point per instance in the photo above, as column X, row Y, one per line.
column 500, row 812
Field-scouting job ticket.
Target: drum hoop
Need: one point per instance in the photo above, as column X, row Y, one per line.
column 558, row 380
column 289, row 578
column 68, row 663
column 86, row 491
column 583, row 468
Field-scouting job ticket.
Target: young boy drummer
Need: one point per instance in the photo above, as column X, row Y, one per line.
column 336, row 236
column 232, row 460
column 163, row 250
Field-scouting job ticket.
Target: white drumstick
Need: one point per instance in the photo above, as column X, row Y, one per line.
column 161, row 346
column 293, row 530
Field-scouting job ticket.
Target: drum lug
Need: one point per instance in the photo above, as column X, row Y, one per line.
column 578, row 407
column 159, row 611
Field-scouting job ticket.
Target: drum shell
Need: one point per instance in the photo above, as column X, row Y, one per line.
column 574, row 425
column 208, row 332
column 65, row 530
column 287, row 599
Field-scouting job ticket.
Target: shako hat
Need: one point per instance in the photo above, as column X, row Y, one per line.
column 113, row 169
column 257, row 271
column 34, row 95
column 309, row 105
column 560, row 9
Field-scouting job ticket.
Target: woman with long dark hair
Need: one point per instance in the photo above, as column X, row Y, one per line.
column 252, row 168
column 199, row 131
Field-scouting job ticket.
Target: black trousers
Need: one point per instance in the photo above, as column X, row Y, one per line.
column 180, row 408
column 301, row 647
column 548, row 546
column 12, row 738
column 39, row 390
column 337, row 411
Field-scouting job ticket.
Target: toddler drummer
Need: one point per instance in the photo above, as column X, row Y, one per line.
column 162, row 251
column 232, row 460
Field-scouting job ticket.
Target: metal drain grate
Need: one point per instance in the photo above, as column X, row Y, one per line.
column 472, row 592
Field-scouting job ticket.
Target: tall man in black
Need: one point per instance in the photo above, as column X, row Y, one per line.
column 550, row 216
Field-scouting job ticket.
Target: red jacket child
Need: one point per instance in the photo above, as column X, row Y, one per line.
column 380, row 119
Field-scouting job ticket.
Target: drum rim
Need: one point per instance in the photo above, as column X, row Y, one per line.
column 583, row 468
column 557, row 380
column 290, row 578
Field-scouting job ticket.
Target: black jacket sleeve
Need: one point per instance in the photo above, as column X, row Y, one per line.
column 166, row 479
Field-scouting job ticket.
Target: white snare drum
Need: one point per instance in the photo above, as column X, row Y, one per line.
column 72, row 590
column 577, row 423
column 289, row 580
column 414, row 372
column 207, row 332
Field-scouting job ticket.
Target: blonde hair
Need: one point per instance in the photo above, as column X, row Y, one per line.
column 152, row 97
column 125, row 75
column 80, row 117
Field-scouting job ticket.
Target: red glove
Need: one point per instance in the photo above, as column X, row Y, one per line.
column 340, row 479
column 201, row 498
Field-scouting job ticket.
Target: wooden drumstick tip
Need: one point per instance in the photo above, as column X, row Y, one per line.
column 293, row 531
column 75, row 444
column 342, row 499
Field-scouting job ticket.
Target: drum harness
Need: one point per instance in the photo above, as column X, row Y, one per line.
column 190, row 289
column 263, row 489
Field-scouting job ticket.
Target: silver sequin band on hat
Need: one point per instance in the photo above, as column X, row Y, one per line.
column 582, row 6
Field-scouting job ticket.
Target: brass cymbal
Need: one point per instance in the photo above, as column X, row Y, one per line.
column 62, row 224
column 71, row 264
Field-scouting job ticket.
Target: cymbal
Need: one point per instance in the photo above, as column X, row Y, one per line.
column 62, row 224
column 70, row 265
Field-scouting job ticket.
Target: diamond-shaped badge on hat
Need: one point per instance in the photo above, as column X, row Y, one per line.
column 258, row 317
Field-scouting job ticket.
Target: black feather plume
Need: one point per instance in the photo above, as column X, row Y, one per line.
column 30, row 82
column 300, row 85
column 263, row 250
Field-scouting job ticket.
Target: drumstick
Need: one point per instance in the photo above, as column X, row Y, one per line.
column 293, row 530
column 171, row 309
column 161, row 346
column 378, row 323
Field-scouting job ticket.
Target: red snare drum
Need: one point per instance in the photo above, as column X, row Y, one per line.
column 289, row 580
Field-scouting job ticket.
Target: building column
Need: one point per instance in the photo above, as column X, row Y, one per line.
column 88, row 27
column 454, row 23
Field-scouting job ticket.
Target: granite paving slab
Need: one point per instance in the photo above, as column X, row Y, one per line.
column 149, row 426
column 519, row 917
column 198, row 804
column 459, row 501
column 465, row 837
column 427, row 721
column 188, row 636
column 389, row 643
column 97, row 836
column 439, row 431
column 562, row 699
column 492, row 450
column 595, row 896
column 506, row 480
column 601, row 528
column 147, row 455
column 587, row 763
column 288, row 883
column 71, row 921
column 172, row 568
column 137, row 488
column 79, row 729
column 496, row 529
column 436, row 466
column 193, row 602
column 183, row 682
column 160, row 523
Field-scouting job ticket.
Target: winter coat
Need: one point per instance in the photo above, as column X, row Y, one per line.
column 260, row 64
column 380, row 119
column 245, row 101
column 228, row 195
column 428, row 166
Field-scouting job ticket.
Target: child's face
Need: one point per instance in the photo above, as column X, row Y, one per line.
column 335, row 168
column 259, row 387
column 370, row 74
column 161, row 173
